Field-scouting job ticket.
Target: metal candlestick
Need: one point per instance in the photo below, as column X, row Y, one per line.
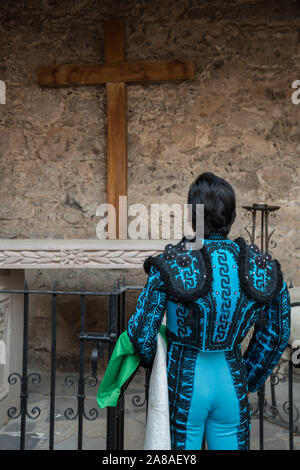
column 265, row 236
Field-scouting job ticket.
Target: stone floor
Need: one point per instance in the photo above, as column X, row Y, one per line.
column 94, row 432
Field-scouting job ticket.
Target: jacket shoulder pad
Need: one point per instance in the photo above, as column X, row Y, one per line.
column 186, row 273
column 260, row 275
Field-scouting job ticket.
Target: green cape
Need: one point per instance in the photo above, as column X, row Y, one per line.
column 122, row 364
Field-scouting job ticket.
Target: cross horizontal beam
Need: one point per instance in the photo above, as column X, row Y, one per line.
column 94, row 74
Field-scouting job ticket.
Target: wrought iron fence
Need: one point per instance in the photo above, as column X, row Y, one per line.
column 288, row 416
column 115, row 417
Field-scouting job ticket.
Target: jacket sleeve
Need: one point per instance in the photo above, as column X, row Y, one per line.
column 268, row 341
column 144, row 324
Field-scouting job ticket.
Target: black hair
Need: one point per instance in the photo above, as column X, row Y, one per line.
column 218, row 198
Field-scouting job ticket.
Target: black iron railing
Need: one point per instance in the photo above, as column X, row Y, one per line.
column 115, row 416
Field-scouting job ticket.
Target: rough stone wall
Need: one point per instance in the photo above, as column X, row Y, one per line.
column 235, row 119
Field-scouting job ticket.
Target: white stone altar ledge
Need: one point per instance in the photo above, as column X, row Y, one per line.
column 77, row 253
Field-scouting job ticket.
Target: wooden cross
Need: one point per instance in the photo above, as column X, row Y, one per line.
column 115, row 72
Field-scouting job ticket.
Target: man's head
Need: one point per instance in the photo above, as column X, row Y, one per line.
column 218, row 198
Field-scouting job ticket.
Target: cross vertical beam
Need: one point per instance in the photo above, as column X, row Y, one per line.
column 114, row 40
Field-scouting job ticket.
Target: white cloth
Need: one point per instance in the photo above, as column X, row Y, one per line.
column 157, row 435
column 295, row 327
column 2, row 352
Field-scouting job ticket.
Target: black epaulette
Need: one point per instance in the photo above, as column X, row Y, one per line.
column 186, row 273
column 260, row 275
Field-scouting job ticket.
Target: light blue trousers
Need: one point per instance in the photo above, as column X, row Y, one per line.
column 214, row 409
